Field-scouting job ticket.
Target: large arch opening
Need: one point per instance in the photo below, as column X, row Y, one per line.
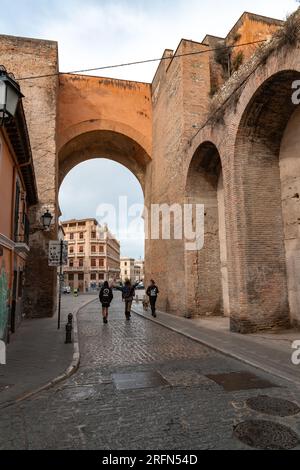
column 107, row 143
column 267, row 183
column 206, row 270
column 102, row 180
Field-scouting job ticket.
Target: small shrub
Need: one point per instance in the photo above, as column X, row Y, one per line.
column 237, row 60
column 223, row 55
column 289, row 34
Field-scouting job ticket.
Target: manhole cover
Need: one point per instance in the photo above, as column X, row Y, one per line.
column 273, row 406
column 266, row 435
column 131, row 381
column 233, row 381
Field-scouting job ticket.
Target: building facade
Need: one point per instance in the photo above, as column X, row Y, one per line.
column 18, row 193
column 140, row 263
column 94, row 255
column 127, row 269
column 216, row 127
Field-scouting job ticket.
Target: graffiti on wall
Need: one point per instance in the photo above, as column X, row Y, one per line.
column 4, row 296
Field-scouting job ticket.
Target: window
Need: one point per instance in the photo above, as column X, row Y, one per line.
column 71, row 263
column 101, row 263
column 125, row 273
column 93, row 249
column 71, row 249
column 125, row 263
column 93, row 263
column 101, row 249
column 71, row 277
column 81, row 235
column 17, row 208
column 101, row 277
column 81, row 263
column 71, row 236
column 93, row 277
column 81, row 249
column 94, row 235
column 80, row 277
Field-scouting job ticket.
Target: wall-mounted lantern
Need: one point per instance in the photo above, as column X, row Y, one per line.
column 46, row 220
column 10, row 95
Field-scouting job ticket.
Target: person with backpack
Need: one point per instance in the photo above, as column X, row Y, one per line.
column 105, row 296
column 128, row 293
column 152, row 293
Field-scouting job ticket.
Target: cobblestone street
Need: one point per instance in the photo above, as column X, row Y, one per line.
column 139, row 386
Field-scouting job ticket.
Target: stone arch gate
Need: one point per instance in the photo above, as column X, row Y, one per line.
column 244, row 162
column 72, row 118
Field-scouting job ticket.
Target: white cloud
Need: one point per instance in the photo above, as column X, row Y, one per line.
column 112, row 32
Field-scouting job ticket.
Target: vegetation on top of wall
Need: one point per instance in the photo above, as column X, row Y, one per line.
column 237, row 61
column 223, row 57
column 287, row 36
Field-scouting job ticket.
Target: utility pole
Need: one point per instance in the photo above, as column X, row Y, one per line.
column 60, row 280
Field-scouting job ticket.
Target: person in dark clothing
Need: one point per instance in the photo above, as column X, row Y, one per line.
column 152, row 293
column 128, row 292
column 105, row 296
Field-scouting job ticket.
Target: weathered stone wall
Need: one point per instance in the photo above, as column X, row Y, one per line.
column 176, row 89
column 290, row 195
column 26, row 57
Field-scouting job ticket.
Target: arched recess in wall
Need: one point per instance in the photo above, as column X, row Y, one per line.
column 261, row 277
column 104, row 143
column 206, row 269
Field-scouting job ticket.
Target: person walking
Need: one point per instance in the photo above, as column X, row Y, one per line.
column 152, row 293
column 105, row 296
column 128, row 295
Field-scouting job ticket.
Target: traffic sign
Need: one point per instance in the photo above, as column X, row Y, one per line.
column 56, row 258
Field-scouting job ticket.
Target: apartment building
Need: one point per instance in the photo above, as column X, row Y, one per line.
column 94, row 255
column 18, row 192
column 127, row 269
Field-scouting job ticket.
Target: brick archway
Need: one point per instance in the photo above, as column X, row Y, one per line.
column 260, row 272
column 206, row 270
column 103, row 143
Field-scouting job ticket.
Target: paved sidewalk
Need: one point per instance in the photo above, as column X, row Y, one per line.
column 37, row 353
column 271, row 352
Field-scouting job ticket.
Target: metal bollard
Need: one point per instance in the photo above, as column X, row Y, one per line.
column 69, row 328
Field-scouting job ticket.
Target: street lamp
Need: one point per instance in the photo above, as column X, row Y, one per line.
column 10, row 95
column 46, row 220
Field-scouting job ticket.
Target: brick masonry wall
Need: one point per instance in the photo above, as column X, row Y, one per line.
column 249, row 140
column 30, row 57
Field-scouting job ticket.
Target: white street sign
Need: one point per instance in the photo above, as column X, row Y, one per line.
column 54, row 253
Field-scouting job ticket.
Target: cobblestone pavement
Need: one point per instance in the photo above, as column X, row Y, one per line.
column 37, row 352
column 181, row 410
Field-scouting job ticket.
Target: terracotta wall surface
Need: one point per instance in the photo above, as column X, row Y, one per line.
column 106, row 118
column 6, row 189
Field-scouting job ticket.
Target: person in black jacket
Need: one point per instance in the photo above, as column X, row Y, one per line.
column 128, row 293
column 152, row 293
column 105, row 296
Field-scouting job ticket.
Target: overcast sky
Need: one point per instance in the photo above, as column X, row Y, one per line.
column 94, row 33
